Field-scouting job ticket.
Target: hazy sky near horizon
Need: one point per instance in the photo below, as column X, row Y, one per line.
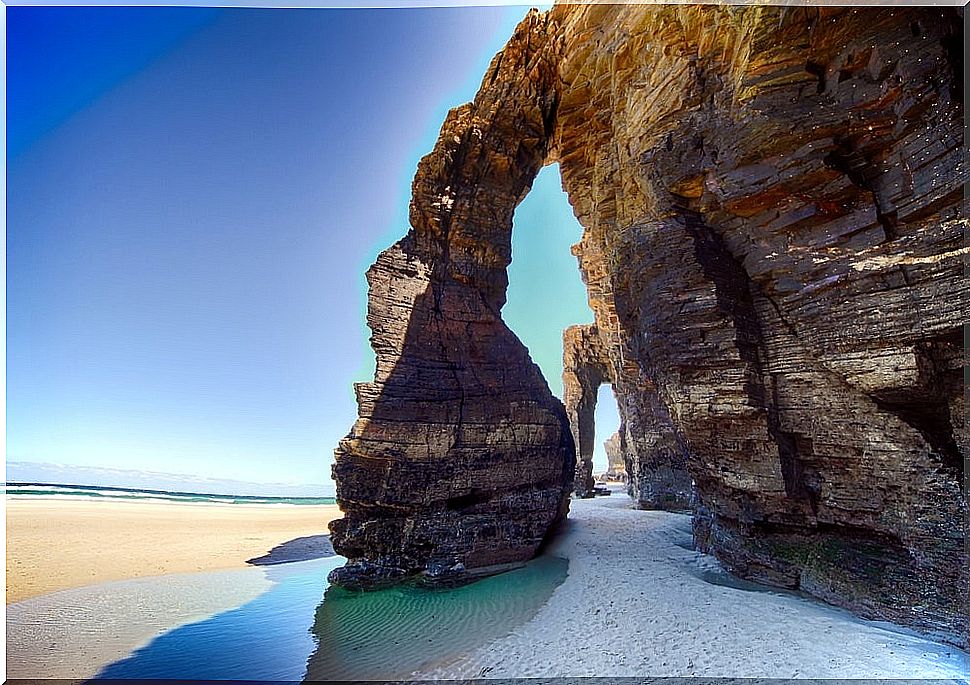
column 193, row 198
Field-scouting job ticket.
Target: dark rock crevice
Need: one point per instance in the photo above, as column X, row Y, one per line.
column 926, row 405
column 861, row 172
column 734, row 292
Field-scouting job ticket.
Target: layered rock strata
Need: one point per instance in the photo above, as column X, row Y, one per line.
column 773, row 205
column 773, row 209
column 585, row 368
column 461, row 460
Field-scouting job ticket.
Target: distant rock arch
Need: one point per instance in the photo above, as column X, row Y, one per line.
column 586, row 367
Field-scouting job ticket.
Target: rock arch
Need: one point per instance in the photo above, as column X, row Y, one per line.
column 461, row 460
column 586, row 367
column 773, row 213
column 655, row 461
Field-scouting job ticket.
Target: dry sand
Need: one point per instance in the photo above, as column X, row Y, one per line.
column 59, row 544
column 639, row 601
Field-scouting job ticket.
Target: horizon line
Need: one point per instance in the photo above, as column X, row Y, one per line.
column 446, row 4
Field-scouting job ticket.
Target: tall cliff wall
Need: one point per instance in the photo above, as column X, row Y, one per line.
column 774, row 224
column 773, row 209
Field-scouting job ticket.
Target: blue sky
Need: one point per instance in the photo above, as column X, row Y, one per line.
column 193, row 197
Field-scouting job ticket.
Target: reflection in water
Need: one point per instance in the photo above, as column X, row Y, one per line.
column 265, row 639
column 390, row 634
column 379, row 634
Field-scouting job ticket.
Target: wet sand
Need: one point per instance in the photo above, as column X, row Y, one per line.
column 71, row 634
column 59, row 544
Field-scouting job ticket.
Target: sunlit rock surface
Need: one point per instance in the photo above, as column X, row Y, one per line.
column 773, row 209
column 615, row 457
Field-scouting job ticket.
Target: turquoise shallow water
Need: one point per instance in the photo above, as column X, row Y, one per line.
column 389, row 634
column 343, row 635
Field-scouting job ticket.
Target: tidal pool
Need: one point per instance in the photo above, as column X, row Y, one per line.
column 267, row 638
column 390, row 634
column 289, row 633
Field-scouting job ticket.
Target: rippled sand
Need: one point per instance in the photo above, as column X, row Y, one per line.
column 639, row 602
column 390, row 634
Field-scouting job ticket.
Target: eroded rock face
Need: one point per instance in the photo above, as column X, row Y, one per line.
column 462, row 460
column 774, row 224
column 615, row 457
column 585, row 368
column 773, row 251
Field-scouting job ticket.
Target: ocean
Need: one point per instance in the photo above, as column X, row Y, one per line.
column 82, row 492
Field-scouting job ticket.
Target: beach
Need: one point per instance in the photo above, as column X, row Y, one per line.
column 639, row 600
column 56, row 544
column 643, row 602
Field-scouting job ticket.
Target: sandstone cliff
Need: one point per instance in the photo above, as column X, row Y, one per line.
column 773, row 209
column 774, row 239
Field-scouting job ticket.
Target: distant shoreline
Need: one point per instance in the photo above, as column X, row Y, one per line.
column 63, row 490
column 60, row 542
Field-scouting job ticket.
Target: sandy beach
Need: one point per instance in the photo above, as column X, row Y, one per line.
column 639, row 600
column 643, row 602
column 59, row 544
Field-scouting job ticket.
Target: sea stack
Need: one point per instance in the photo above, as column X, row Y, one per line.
column 461, row 461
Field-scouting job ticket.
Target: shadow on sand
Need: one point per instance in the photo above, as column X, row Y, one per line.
column 297, row 549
